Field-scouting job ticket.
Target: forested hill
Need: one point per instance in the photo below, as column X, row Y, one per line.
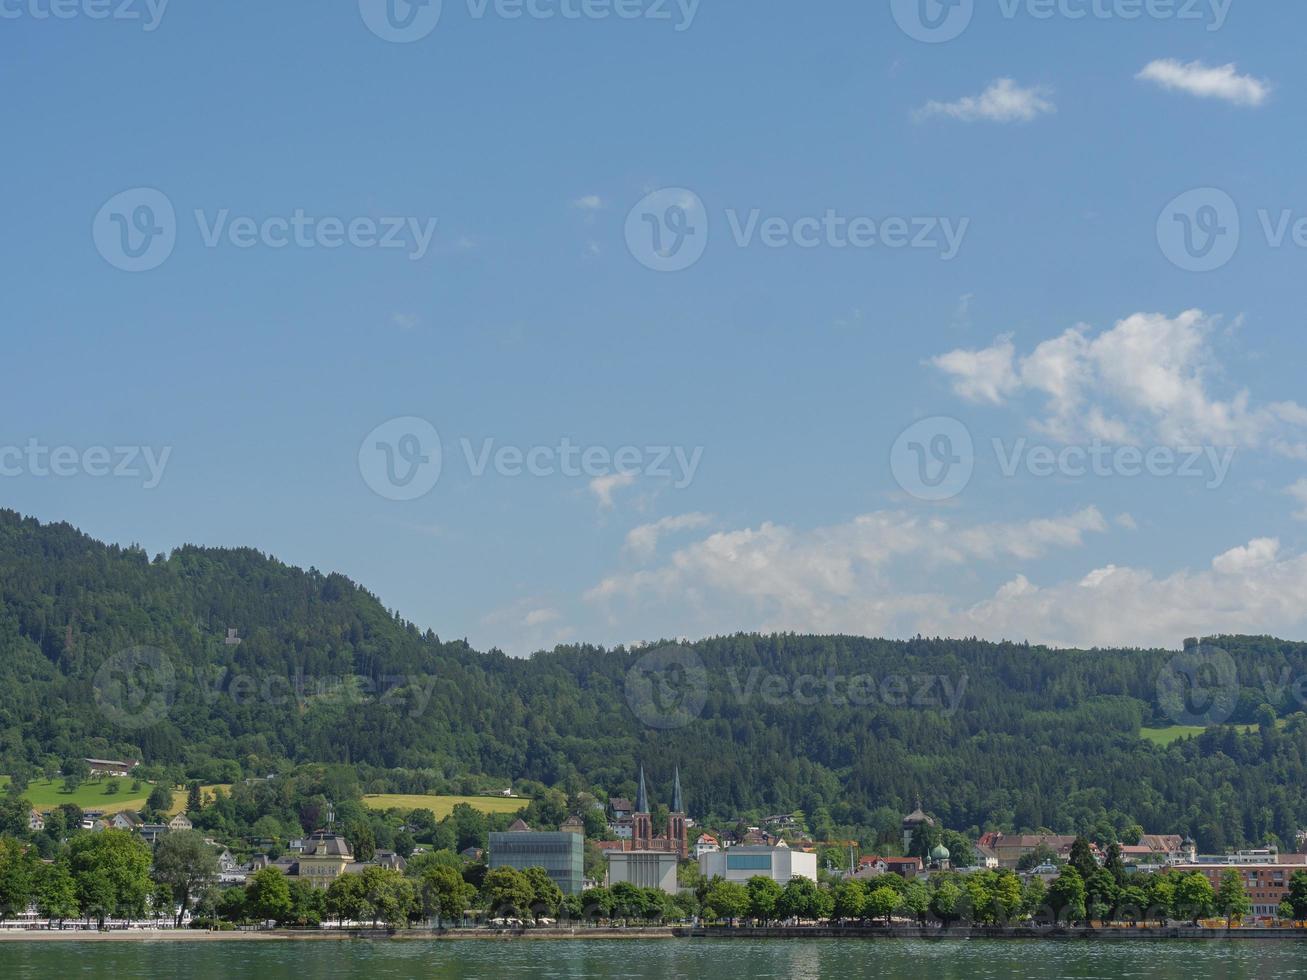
column 849, row 730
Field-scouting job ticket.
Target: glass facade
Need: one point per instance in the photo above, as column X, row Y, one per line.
column 560, row 854
column 748, row 862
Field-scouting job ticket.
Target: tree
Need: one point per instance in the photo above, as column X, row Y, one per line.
column 799, row 900
column 267, row 895
column 56, row 895
column 111, row 871
column 443, row 894
column 916, row 900
column 17, row 877
column 726, row 900
column 1194, row 898
column 1286, row 910
column 850, row 898
column 1067, row 895
column 506, row 892
column 1034, row 893
column 362, row 842
column 1161, row 896
column 193, row 801
column 160, row 800
column 882, row 903
column 389, row 894
column 1298, row 894
column 1082, row 858
column 1131, row 903
column 946, row 903
column 111, row 788
column 546, row 895
column 1231, row 899
column 346, row 899
column 1100, row 894
column 185, row 864
column 1115, row 864
column 764, row 893
column 1042, row 854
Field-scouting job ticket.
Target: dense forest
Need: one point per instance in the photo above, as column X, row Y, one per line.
column 989, row 736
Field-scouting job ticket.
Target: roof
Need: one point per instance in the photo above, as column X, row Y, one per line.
column 519, row 826
column 917, row 816
column 322, row 843
column 620, row 803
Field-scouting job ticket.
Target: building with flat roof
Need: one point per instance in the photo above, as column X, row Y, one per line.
column 644, row 869
column 561, row 854
column 739, row 864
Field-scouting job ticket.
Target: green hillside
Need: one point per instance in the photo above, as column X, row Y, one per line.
column 1008, row 736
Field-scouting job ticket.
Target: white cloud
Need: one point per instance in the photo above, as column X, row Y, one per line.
column 1252, row 589
column 603, row 487
column 1146, row 377
column 852, row 578
column 591, row 202
column 405, row 321
column 1003, row 101
column 642, row 541
column 539, row 617
column 1222, row 82
column 1299, row 492
column 832, row 576
column 982, row 375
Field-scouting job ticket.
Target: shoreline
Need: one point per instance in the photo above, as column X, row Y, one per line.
column 683, row 933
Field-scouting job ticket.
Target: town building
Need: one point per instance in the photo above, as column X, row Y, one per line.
column 644, row 869
column 675, row 841
column 35, row 820
column 559, row 853
column 180, row 822
column 1264, row 873
column 110, row 767
column 917, row 818
column 739, row 864
column 706, row 844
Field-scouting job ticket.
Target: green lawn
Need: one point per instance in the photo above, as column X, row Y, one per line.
column 1165, row 736
column 46, row 795
column 442, row 805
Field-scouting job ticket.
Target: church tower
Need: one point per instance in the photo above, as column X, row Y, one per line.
column 641, row 819
column 677, row 832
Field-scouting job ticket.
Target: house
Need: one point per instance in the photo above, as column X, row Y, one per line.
column 573, row 825
column 35, row 820
column 151, row 832
column 471, row 854
column 622, row 807
column 986, row 857
column 126, row 820
column 110, row 767
column 180, row 822
column 1011, row 848
column 706, row 844
column 872, row 866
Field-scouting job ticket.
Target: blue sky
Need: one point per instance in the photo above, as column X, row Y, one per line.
column 1052, row 146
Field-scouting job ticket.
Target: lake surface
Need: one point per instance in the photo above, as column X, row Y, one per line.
column 657, row 959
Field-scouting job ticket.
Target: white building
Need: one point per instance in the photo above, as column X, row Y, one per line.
column 644, row 869
column 739, row 864
column 706, row 844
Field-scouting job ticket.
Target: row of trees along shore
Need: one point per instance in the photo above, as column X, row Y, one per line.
column 114, row 875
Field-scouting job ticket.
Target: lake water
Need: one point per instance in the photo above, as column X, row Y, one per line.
column 656, row 959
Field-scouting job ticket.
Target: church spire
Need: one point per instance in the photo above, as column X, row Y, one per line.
column 678, row 805
column 642, row 798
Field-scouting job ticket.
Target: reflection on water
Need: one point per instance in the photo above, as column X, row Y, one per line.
column 658, row 960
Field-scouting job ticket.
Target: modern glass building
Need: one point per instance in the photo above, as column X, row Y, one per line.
column 561, row 854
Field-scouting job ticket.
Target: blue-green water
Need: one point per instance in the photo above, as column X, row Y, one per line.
column 656, row 960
